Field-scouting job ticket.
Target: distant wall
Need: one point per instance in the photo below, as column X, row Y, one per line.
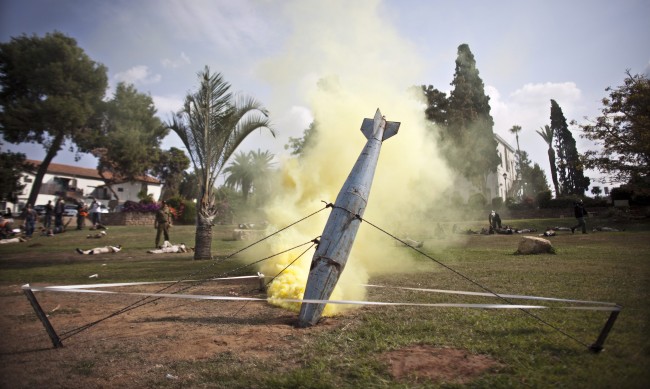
column 128, row 219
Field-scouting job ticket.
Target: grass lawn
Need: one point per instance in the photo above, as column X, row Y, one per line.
column 349, row 350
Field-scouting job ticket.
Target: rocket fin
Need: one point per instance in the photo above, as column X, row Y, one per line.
column 370, row 127
column 367, row 128
column 390, row 130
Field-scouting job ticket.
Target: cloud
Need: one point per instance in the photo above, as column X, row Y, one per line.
column 183, row 59
column 228, row 25
column 530, row 108
column 138, row 75
column 167, row 105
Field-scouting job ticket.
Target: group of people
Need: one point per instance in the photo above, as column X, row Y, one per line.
column 162, row 224
column 56, row 211
column 83, row 211
column 580, row 213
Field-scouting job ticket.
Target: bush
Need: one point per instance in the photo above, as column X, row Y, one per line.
column 189, row 212
column 132, row 206
column 636, row 195
column 621, row 193
column 562, row 202
column 543, row 199
column 184, row 210
column 526, row 202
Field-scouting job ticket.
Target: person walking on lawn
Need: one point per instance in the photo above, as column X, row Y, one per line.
column 580, row 214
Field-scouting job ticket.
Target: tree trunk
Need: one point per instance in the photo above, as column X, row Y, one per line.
column 203, row 239
column 45, row 164
column 109, row 185
column 551, row 160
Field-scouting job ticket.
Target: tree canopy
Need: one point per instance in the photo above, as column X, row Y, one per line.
column 11, row 168
column 248, row 171
column 622, row 132
column 49, row 91
column 464, row 121
column 533, row 178
column 470, row 125
column 437, row 105
column 569, row 166
column 127, row 136
column 299, row 146
column 169, row 168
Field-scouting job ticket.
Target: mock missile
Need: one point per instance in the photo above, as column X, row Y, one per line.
column 343, row 223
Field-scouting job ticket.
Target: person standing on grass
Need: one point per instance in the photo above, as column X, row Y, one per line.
column 49, row 210
column 580, row 214
column 30, row 220
column 59, row 208
column 163, row 222
column 82, row 212
column 95, row 216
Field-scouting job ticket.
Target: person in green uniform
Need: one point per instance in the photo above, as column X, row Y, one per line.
column 163, row 222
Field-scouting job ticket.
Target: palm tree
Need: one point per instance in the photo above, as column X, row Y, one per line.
column 211, row 125
column 262, row 163
column 547, row 133
column 240, row 174
column 248, row 171
column 515, row 130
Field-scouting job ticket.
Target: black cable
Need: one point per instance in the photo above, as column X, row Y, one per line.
column 315, row 242
column 465, row 277
column 199, row 282
column 149, row 299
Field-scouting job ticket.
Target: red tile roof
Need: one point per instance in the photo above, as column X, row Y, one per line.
column 76, row 171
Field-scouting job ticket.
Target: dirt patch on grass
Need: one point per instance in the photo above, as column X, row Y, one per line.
column 145, row 347
column 449, row 365
column 151, row 346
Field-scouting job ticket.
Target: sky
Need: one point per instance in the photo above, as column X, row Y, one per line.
column 527, row 52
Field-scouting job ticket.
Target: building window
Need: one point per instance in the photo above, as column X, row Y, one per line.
column 120, row 189
column 28, row 179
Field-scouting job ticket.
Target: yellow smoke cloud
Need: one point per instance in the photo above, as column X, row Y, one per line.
column 347, row 62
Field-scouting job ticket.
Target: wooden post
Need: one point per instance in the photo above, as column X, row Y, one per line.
column 260, row 277
column 598, row 346
column 42, row 316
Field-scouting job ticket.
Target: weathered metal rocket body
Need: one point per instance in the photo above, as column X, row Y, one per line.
column 338, row 236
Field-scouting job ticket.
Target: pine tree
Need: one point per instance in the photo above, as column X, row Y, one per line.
column 569, row 167
column 470, row 124
column 50, row 90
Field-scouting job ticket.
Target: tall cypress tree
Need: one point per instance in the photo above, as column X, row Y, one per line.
column 469, row 123
column 569, row 167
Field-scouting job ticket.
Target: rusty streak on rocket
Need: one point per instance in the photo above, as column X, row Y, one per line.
column 343, row 223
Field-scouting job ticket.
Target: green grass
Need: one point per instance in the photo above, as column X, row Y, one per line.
column 611, row 267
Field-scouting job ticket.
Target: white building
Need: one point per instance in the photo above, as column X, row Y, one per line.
column 497, row 184
column 76, row 183
column 501, row 183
